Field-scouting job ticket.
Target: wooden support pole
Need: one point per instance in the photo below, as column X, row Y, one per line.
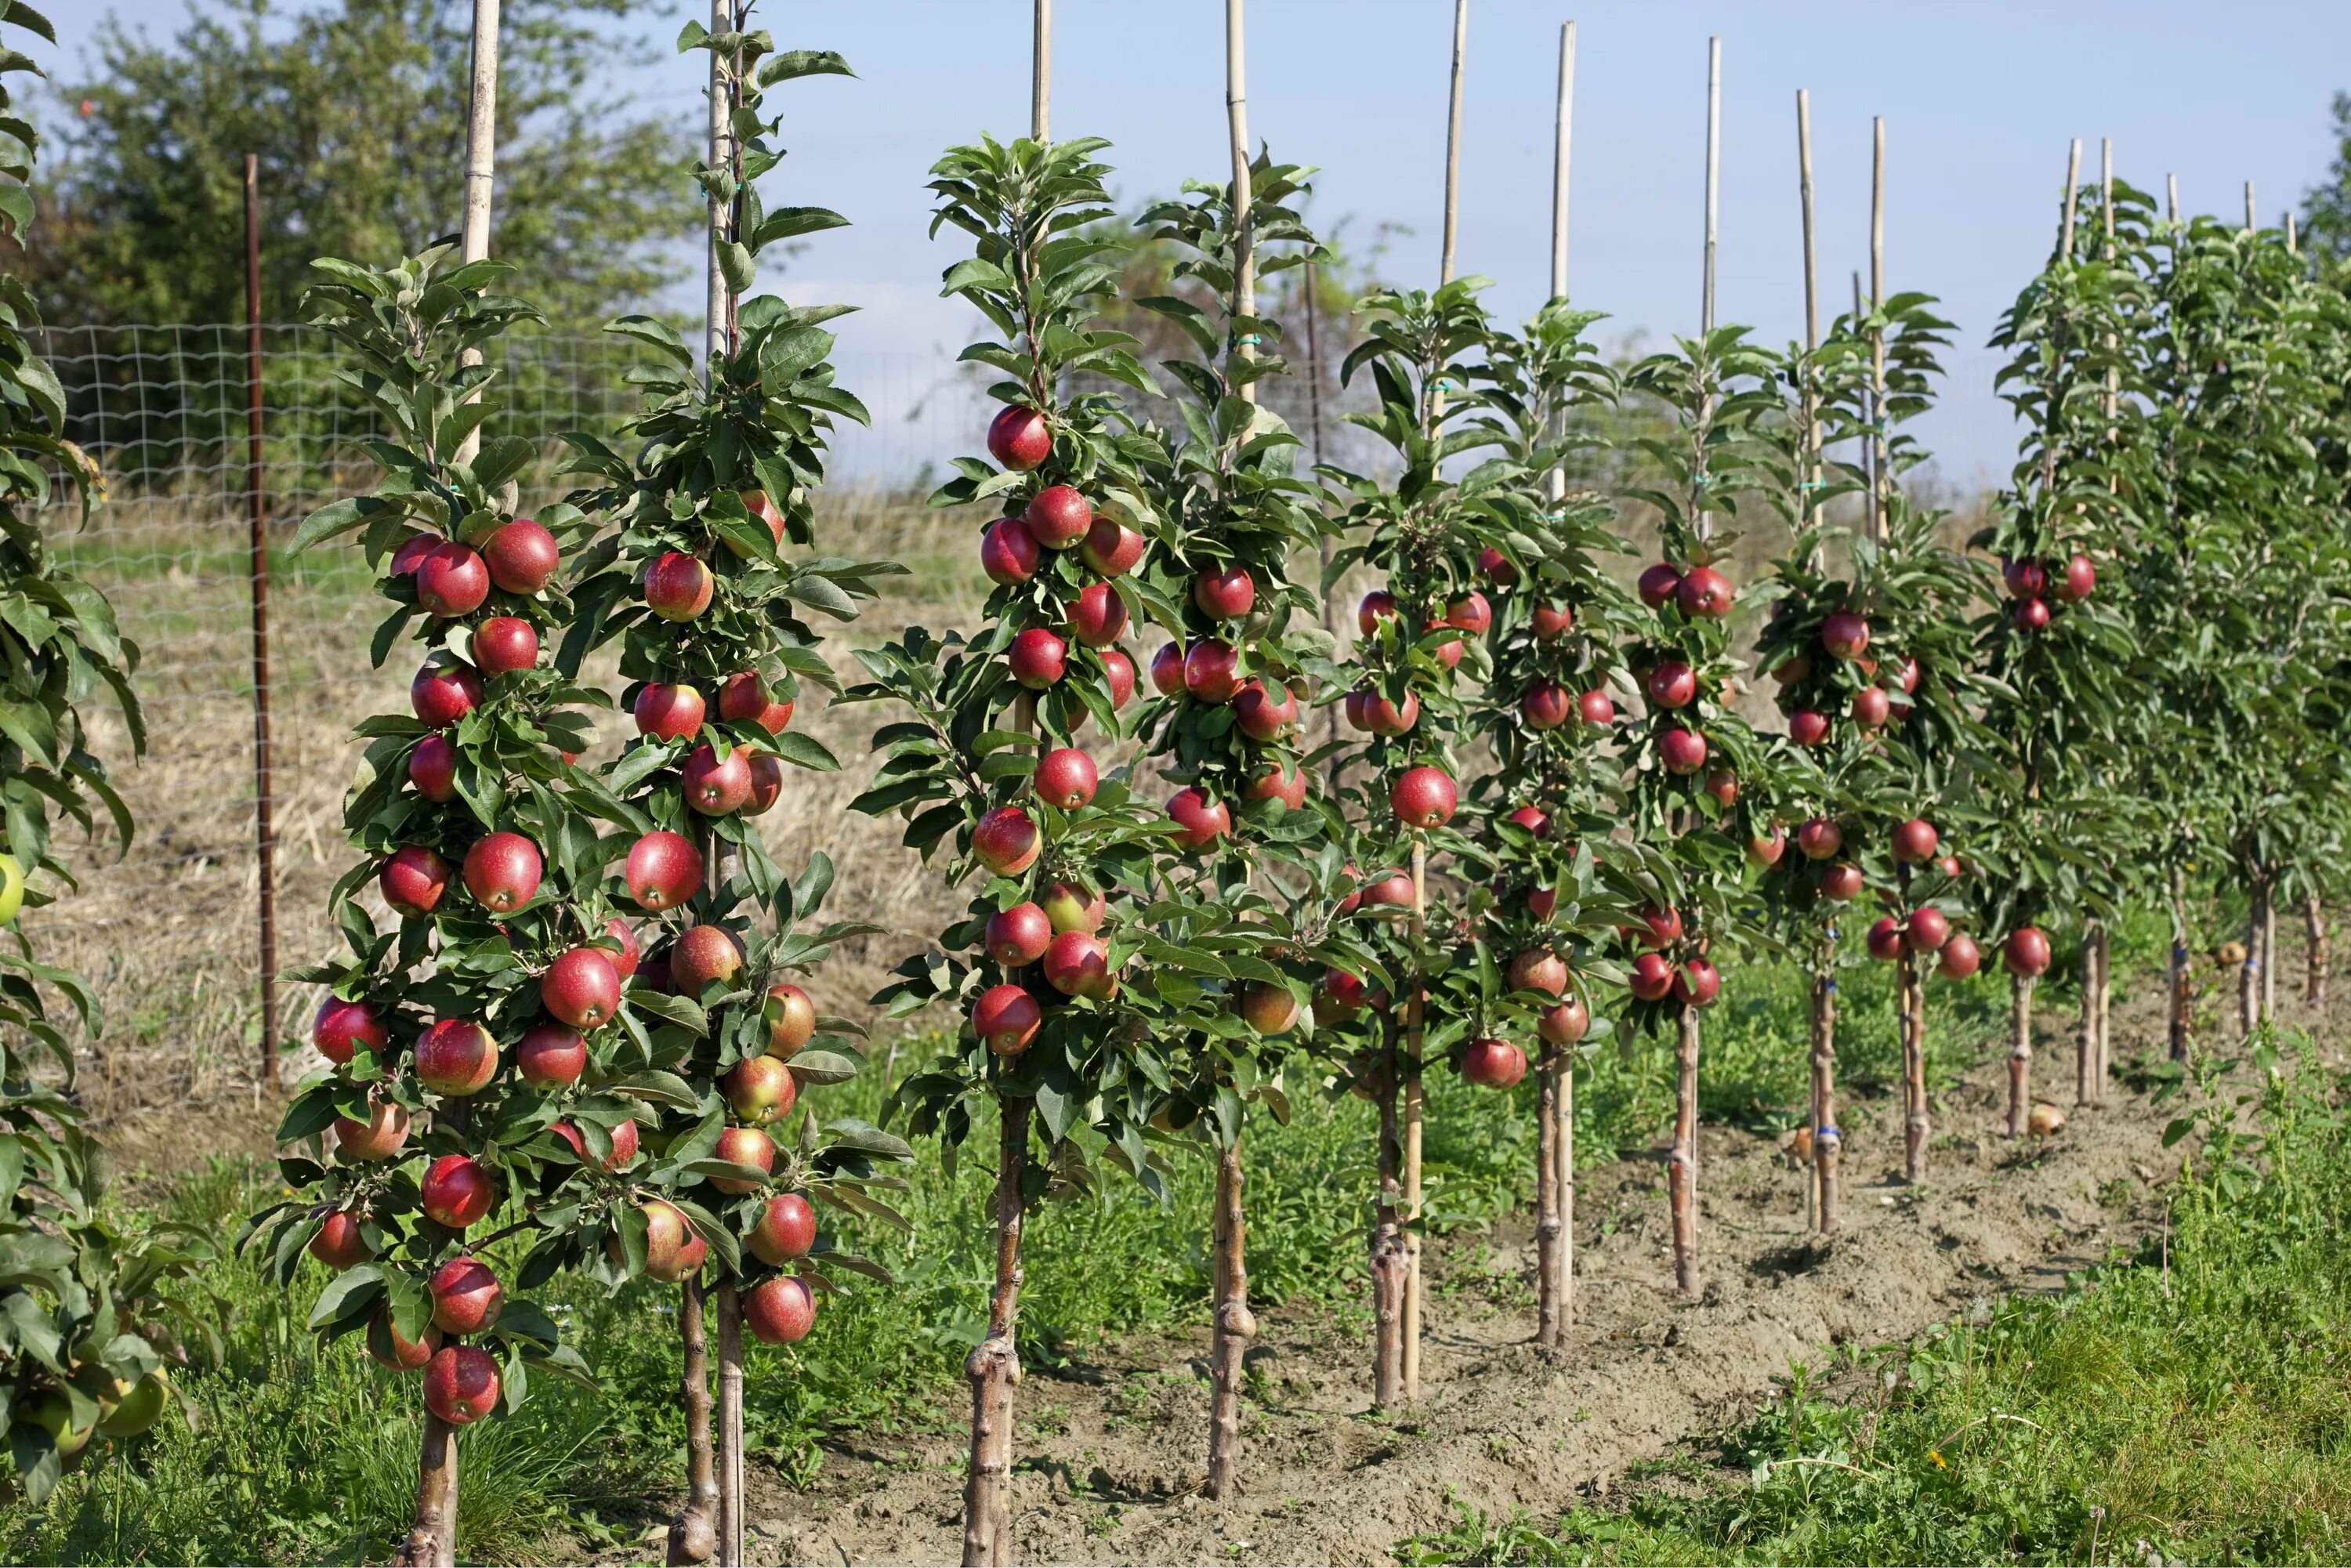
column 1041, row 73
column 2019, row 1054
column 2251, row 223
column 481, row 167
column 2171, row 198
column 1562, row 130
column 1242, row 347
column 2073, row 179
column 1453, row 141
column 1713, row 171
column 1881, row 454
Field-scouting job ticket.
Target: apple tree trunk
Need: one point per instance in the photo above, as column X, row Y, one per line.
column 1550, row 1329
column 1825, row 1141
column 994, row 1368
column 1388, row 1261
column 2183, row 983
column 2314, row 931
column 730, row 1426
column 1916, row 1127
column 1234, row 1327
column 1682, row 1173
column 2086, row 1047
column 694, row 1531
column 2020, row 1052
column 432, row 1538
column 2249, row 973
column 2106, row 951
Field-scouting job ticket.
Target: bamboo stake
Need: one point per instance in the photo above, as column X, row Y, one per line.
column 1868, row 406
column 2313, row 934
column 1559, row 167
column 1388, row 1260
column 730, row 1426
column 2250, row 221
column 2171, row 198
column 2072, row 179
column 1453, row 141
column 1880, row 454
column 1329, row 545
column 1713, row 167
column 2291, row 247
column 1041, row 73
column 1241, row 350
column 481, row 169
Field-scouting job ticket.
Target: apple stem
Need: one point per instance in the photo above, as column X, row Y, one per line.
column 692, row 1534
column 730, row 1426
column 2020, row 1052
column 994, row 1368
column 1682, row 1172
column 1234, row 1326
column 1825, row 1142
column 1389, row 1259
column 432, row 1541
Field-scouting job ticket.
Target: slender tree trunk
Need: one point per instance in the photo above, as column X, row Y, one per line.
column 1415, row 1109
column 1549, row 1329
column 432, row 1540
column 2314, row 931
column 2019, row 1054
column 693, row 1530
column 1682, row 1173
column 2183, row 980
column 1564, row 1149
column 1914, row 1126
column 1825, row 1131
column 1234, row 1328
column 1389, row 1259
column 2086, row 1047
column 2249, row 974
column 2269, row 952
column 993, row 1366
column 2105, row 948
column 730, row 1426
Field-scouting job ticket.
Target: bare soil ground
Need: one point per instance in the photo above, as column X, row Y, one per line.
column 1109, row 1454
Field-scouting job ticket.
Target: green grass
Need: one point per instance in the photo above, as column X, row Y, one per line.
column 2190, row 1402
column 308, row 1455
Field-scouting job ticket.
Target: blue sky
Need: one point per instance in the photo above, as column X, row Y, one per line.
column 1979, row 99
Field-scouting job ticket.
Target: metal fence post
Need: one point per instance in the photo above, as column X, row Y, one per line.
column 265, row 841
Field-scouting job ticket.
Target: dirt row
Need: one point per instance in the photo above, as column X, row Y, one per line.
column 1109, row 1454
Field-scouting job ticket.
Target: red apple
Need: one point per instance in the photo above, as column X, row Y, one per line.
column 1392, row 889
column 432, row 768
column 760, row 1090
column 1470, row 612
column 1906, row 677
column 1065, row 778
column 411, row 553
column 1077, row 964
column 1659, row 927
column 522, row 556
column 1005, row 1017
column 623, row 1140
column 378, row 1138
column 1819, row 838
column 456, row 1057
column 1019, row 438
column 1058, row 517
column 505, row 643
column 1266, row 712
column 1341, row 995
column 664, row 870
column 1203, row 821
column 1268, row 1008
column 2080, row 580
column 414, row 880
column 1448, row 653
column 452, row 580
column 1870, row 707
column 714, row 787
column 1537, row 969
column 1423, row 796
column 1683, row 751
column 1806, row 727
column 1119, row 669
column 2026, row 952
column 790, row 1018
column 389, row 1349
column 700, row 956
column 1652, row 978
column 762, row 510
column 744, row 696
column 1789, row 671
column 1377, row 606
column 1696, row 984
column 1009, row 552
column 678, row 586
column 456, row 1191
column 1097, row 619
column 1212, row 671
column 1925, row 930
column 1884, row 939
column 1541, row 901
column 1550, row 620
column 668, row 712
column 1597, row 708
column 1659, row 584
column 1564, row 1024
column 1672, row 684
column 1225, row 595
column 1844, row 634
column 1496, row 568
column 551, row 1056
column 779, row 1311
column 1841, row 882
column 1960, row 958
column 786, row 1230
column 1545, row 706
column 1704, row 593
column 1005, row 842
column 1382, row 716
column 341, row 1028
column 2032, row 614
column 674, row 1249
column 1112, row 547
column 1915, row 841
column 1533, row 819
column 625, row 952
column 1017, row 935
column 743, row 1146
column 1037, row 658
column 443, row 691
column 581, row 988
column 2026, row 578
column 1070, row 907
column 1273, row 784
column 339, row 1244
column 1723, row 784
column 461, row 1384
column 502, row 872
column 1493, row 1063
column 1766, row 851
column 466, row 1296
column 767, row 783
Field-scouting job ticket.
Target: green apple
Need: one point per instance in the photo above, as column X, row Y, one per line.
column 12, row 888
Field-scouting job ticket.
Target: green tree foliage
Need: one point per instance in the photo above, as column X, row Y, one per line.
column 357, row 109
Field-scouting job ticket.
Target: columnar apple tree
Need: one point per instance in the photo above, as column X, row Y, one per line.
column 1869, row 645
column 86, row 1327
column 1697, row 776
column 2059, row 653
column 1547, row 811
column 1246, row 921
column 1071, row 1050
column 456, row 1109
column 695, row 582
